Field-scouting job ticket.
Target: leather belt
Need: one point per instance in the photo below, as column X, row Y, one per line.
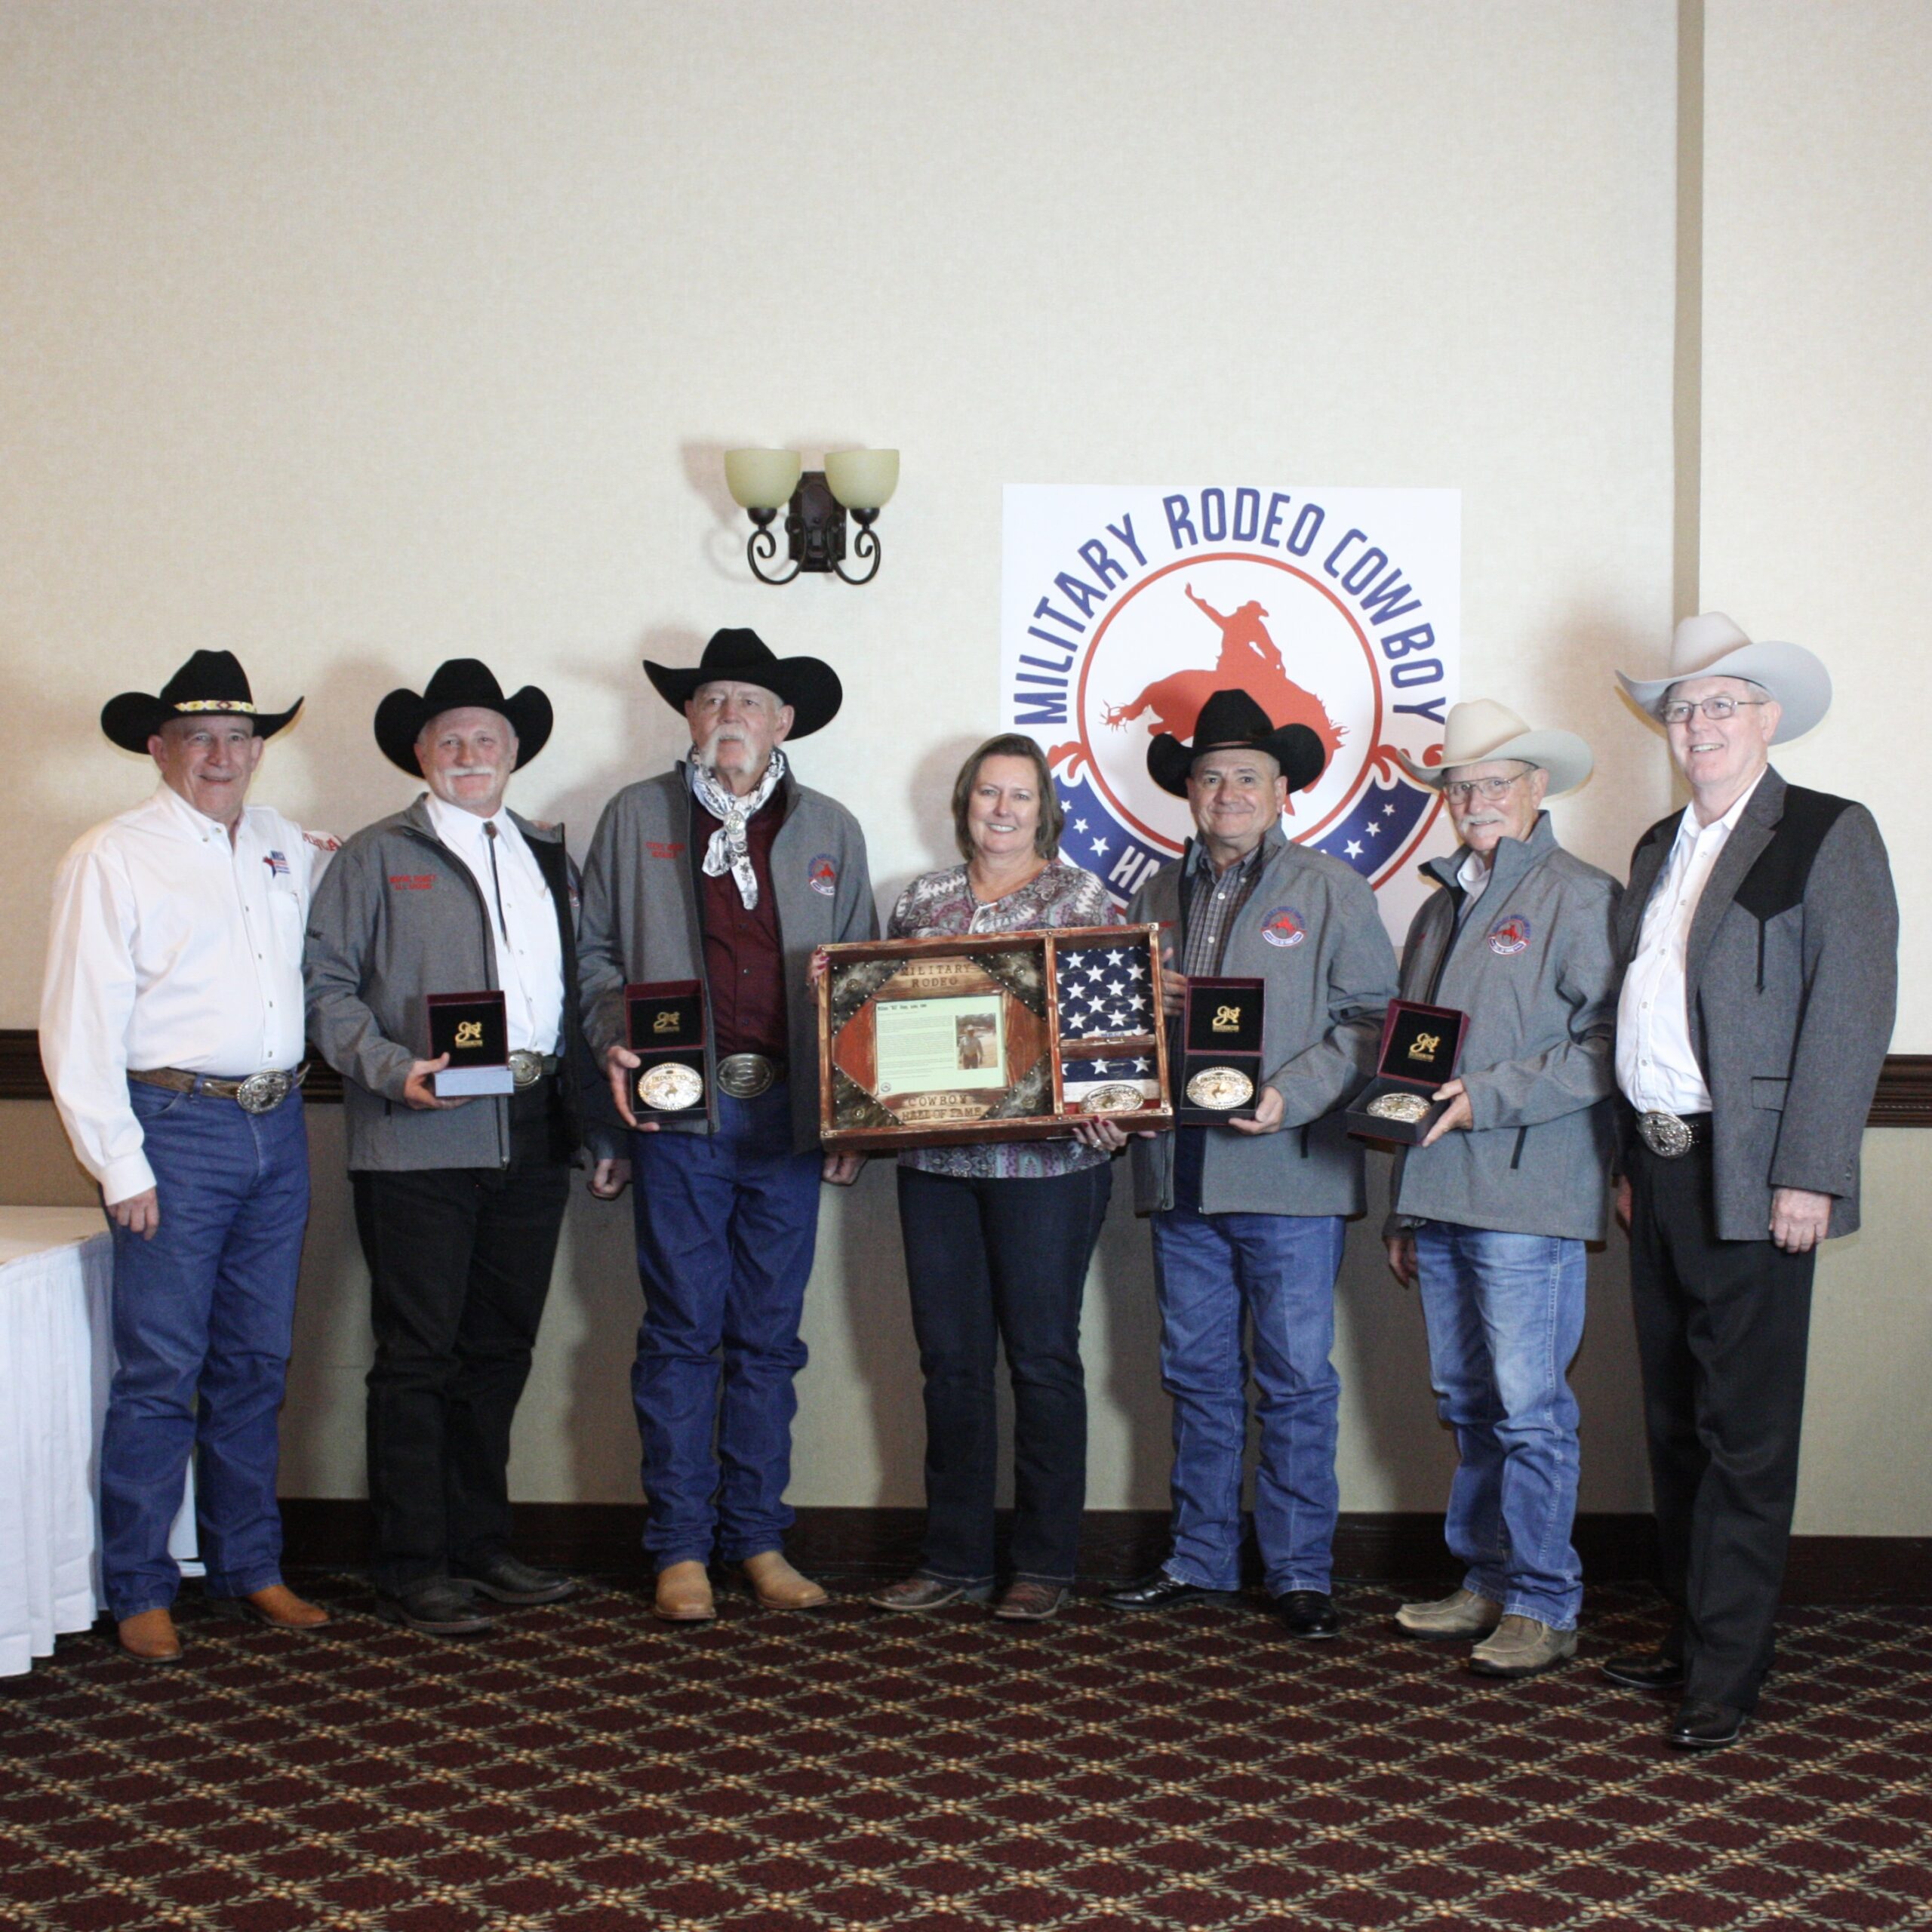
column 527, row 1068
column 1669, row 1135
column 257, row 1093
column 745, row 1076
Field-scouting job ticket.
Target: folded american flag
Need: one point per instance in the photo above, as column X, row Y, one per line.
column 1105, row 992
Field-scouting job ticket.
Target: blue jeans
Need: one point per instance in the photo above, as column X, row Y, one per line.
column 1277, row 1272
column 203, row 1313
column 726, row 1224
column 1505, row 1316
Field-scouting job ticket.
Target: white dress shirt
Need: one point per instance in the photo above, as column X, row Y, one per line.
column 1655, row 1067
column 171, row 945
column 1473, row 877
column 529, row 949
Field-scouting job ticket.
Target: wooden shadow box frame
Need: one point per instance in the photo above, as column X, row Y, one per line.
column 851, row 1115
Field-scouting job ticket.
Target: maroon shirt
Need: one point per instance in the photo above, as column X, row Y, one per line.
column 743, row 965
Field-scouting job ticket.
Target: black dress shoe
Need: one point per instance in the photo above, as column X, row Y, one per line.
column 506, row 1579
column 1698, row 1726
column 436, row 1607
column 1645, row 1670
column 1308, row 1613
column 1159, row 1591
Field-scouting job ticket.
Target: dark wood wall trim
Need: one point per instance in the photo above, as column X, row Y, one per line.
column 1401, row 1551
column 1904, row 1098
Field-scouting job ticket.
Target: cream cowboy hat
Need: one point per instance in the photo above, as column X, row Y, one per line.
column 1482, row 730
column 1712, row 646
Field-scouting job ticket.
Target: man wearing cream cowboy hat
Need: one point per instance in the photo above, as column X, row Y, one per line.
column 1760, row 936
column 1491, row 1211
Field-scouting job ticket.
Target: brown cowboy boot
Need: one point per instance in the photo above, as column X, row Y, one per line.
column 777, row 1585
column 149, row 1637
column 684, row 1594
column 278, row 1606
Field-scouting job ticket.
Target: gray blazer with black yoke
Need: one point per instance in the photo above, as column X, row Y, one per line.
column 1327, row 990
column 1791, row 985
column 1533, row 965
column 644, row 918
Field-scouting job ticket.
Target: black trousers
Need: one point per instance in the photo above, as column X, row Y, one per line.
column 989, row 1262
column 1722, row 1328
column 460, row 1261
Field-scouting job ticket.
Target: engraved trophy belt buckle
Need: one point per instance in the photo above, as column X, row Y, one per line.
column 263, row 1093
column 526, row 1068
column 745, row 1076
column 1664, row 1134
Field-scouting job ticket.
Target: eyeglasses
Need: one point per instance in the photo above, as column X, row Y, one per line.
column 1680, row 709
column 1460, row 790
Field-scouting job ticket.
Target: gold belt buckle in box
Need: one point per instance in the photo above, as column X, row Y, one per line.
column 745, row 1076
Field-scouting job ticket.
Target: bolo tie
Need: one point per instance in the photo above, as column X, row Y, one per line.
column 496, row 879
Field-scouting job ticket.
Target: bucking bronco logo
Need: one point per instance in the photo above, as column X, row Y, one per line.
column 1124, row 610
column 822, row 874
column 1509, row 935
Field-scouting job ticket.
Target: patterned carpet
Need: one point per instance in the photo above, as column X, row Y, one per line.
column 586, row 1769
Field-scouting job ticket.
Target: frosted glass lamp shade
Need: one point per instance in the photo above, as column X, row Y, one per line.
column 862, row 479
column 762, row 479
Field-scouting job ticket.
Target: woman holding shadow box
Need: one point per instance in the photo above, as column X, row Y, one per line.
column 998, row 1237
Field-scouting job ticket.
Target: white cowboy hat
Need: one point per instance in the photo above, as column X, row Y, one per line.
column 1482, row 730
column 1712, row 646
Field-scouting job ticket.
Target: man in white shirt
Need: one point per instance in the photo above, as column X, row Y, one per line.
column 459, row 1201
column 1760, row 938
column 170, row 1025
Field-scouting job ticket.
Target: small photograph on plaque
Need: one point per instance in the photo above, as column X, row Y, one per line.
column 474, row 1029
column 1220, row 1074
column 665, row 1028
column 1421, row 1047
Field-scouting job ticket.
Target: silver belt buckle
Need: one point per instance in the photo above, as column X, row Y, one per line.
column 526, row 1068
column 263, row 1093
column 1664, row 1134
column 745, row 1076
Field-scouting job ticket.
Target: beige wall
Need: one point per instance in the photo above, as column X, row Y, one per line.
column 355, row 338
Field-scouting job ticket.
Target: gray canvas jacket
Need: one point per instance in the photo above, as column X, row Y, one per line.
column 397, row 917
column 1322, row 1020
column 643, row 917
column 1533, row 965
column 1791, row 984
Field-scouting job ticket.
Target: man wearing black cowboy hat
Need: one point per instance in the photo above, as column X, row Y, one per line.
column 458, row 1201
column 1247, row 1218
column 728, row 871
column 170, row 1024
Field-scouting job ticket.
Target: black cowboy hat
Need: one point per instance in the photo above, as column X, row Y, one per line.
column 1231, row 720
column 211, row 681
column 460, row 683
column 808, row 684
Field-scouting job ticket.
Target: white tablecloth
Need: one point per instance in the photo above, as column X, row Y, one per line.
column 55, row 1362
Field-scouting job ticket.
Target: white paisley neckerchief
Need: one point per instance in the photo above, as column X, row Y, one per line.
column 728, row 850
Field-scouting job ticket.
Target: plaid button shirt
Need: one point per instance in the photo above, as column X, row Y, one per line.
column 1213, row 904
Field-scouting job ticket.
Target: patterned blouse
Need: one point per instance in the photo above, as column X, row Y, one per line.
column 943, row 902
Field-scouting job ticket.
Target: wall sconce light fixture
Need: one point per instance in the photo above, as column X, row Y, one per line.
column 762, row 482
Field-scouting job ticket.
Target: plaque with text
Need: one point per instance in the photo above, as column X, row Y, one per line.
column 990, row 1036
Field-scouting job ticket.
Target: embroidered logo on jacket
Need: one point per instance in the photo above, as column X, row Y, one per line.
column 277, row 865
column 660, row 848
column 412, row 881
column 1283, row 925
column 1509, row 935
column 822, row 874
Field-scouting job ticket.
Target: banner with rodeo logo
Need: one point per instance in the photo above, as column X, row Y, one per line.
column 1122, row 610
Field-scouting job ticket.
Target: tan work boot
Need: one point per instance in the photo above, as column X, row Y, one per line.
column 684, row 1594
column 149, row 1637
column 1461, row 1613
column 777, row 1585
column 1521, row 1648
column 278, row 1606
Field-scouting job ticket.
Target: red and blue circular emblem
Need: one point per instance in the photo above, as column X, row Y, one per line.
column 822, row 874
column 1283, row 925
column 1510, row 935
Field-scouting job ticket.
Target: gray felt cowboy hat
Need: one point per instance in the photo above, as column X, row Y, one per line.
column 1481, row 729
column 1712, row 646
